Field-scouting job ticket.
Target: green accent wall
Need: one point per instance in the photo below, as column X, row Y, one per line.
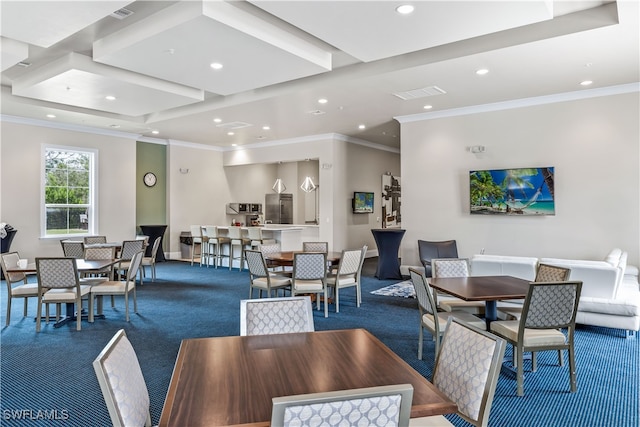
column 151, row 202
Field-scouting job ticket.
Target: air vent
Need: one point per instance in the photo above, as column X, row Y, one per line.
column 122, row 13
column 234, row 125
column 317, row 112
column 420, row 93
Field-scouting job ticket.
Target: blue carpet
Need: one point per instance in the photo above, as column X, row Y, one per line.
column 47, row 378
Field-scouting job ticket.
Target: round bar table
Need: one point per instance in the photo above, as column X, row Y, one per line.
column 388, row 242
column 154, row 231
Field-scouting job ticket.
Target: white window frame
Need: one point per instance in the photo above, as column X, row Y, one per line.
column 92, row 208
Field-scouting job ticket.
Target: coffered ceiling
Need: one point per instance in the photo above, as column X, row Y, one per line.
column 249, row 72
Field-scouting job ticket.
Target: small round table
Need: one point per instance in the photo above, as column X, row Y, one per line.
column 388, row 242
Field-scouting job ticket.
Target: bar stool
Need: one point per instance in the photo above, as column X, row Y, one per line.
column 197, row 238
column 215, row 242
column 236, row 239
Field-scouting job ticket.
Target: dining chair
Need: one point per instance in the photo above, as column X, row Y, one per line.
column 25, row 290
column 198, row 240
column 271, row 248
column 118, row 287
column 388, row 405
column 430, row 318
column 309, row 276
column 236, row 239
column 122, row 383
column 100, row 253
column 544, row 273
column 466, row 371
column 129, row 249
column 549, row 307
column 428, row 251
column 453, row 267
column 216, row 243
column 261, row 278
column 72, row 248
column 59, row 283
column 348, row 274
column 315, row 246
column 285, row 315
column 91, row 240
column 150, row 261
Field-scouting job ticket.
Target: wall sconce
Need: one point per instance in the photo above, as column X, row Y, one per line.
column 279, row 186
column 307, row 185
column 184, row 171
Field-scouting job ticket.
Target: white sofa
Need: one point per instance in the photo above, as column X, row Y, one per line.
column 610, row 293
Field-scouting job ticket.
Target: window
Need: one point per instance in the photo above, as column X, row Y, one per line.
column 69, row 195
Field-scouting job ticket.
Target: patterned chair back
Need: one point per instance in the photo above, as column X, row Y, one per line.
column 315, row 246
column 551, row 305
column 100, row 253
column 450, row 267
column 267, row 316
column 136, row 260
column 424, row 294
column 57, row 273
column 72, row 249
column 257, row 264
column 130, row 248
column 154, row 248
column 309, row 266
column 127, row 401
column 90, row 240
column 551, row 273
column 467, row 369
column 350, row 262
column 374, row 406
column 270, row 248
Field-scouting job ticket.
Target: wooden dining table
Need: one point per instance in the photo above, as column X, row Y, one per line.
column 489, row 289
column 225, row 381
column 285, row 259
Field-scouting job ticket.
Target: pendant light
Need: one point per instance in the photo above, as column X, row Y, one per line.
column 279, row 186
column 307, row 185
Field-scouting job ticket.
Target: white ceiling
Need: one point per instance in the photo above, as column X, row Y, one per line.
column 280, row 57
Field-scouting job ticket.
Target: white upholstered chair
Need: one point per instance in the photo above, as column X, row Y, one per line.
column 348, row 274
column 72, row 248
column 276, row 316
column 453, row 267
column 14, row 289
column 549, row 307
column 150, row 261
column 58, row 283
column 309, row 276
column 466, row 371
column 261, row 278
column 122, row 383
column 129, row 249
column 118, row 287
column 388, row 406
column 432, row 320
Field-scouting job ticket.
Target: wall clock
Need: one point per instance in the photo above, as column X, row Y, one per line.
column 150, row 179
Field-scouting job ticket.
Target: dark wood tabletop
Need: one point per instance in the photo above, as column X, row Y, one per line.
column 286, row 258
column 230, row 380
column 482, row 288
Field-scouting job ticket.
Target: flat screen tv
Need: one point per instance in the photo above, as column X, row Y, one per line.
column 523, row 191
column 362, row 202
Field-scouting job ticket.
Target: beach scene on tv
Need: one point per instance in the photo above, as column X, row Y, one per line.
column 523, row 191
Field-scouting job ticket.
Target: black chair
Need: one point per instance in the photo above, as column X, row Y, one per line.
column 435, row 250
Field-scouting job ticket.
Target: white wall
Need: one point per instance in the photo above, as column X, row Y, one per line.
column 593, row 145
column 21, row 159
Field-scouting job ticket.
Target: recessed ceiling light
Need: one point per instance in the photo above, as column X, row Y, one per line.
column 217, row 120
column 51, row 116
column 110, row 98
column 322, row 101
column 234, row 145
column 405, row 9
column 115, row 126
column 428, row 107
column 266, row 127
column 586, row 82
column 482, row 71
column 361, row 126
column 155, row 132
column 230, row 133
column 216, row 65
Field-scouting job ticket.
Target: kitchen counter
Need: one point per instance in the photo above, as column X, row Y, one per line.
column 290, row 236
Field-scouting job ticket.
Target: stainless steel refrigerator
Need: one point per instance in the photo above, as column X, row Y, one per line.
column 278, row 208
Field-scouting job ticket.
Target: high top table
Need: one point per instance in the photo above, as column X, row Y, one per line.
column 231, row 380
column 154, row 231
column 388, row 242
